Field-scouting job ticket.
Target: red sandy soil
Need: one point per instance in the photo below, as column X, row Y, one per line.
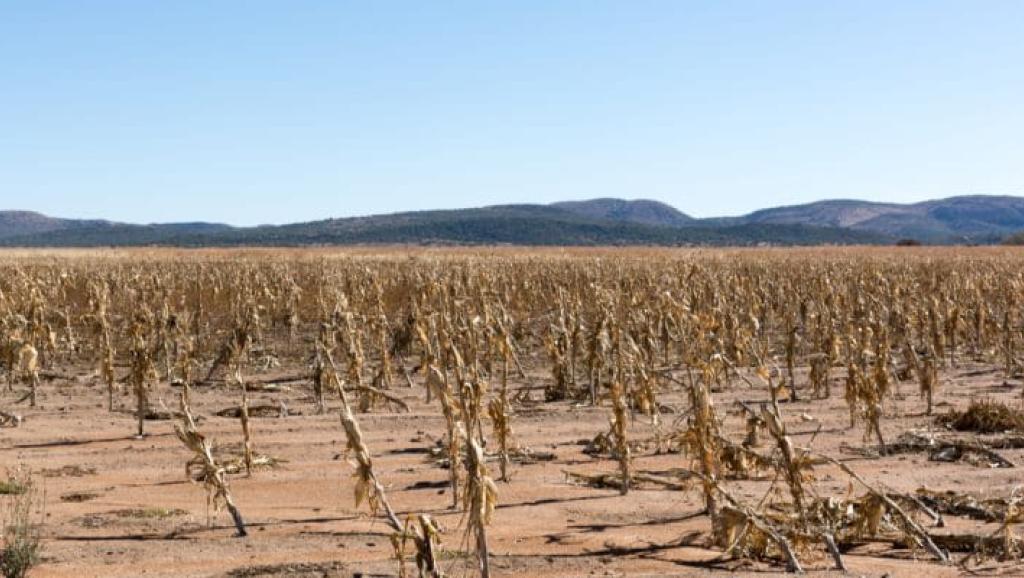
column 303, row 520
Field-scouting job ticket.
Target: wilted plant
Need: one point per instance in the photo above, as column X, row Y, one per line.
column 28, row 368
column 369, row 489
column 929, row 381
column 212, row 474
column 143, row 372
column 619, row 426
column 481, row 499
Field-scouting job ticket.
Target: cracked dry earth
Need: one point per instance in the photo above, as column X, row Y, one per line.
column 117, row 506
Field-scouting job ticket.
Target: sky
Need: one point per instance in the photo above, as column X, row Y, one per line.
column 252, row 111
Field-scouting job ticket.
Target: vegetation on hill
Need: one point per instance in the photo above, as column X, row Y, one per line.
column 967, row 219
column 641, row 211
column 1014, row 239
column 510, row 224
column 957, row 220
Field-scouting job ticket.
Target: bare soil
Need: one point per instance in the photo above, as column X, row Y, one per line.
column 117, row 505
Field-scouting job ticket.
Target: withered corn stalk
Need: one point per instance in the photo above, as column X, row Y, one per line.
column 369, row 489
column 105, row 347
column 142, row 371
column 214, row 479
column 929, row 380
column 792, row 462
column 243, row 417
column 742, row 514
column 424, row 532
column 498, row 412
column 498, row 409
column 481, row 499
column 437, row 382
column 234, row 347
column 28, row 367
column 792, row 342
column 819, row 376
column 702, row 437
column 619, row 427
column 911, row 526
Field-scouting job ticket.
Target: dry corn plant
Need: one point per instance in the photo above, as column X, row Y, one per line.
column 425, row 333
column 793, row 462
column 186, row 365
column 142, row 371
column 104, row 342
column 598, row 349
column 819, row 376
column 369, row 489
column 234, row 347
column 437, row 382
column 424, row 533
column 243, row 417
column 701, row 441
column 877, row 504
column 351, row 340
column 480, row 497
column 213, row 475
column 619, row 426
column 498, row 409
column 557, row 345
column 383, row 378
column 352, row 345
column 1009, row 344
column 636, row 364
column 481, row 500
column 28, row 369
column 792, row 343
column 929, row 381
column 320, row 369
column 864, row 392
column 953, row 328
column 1010, row 547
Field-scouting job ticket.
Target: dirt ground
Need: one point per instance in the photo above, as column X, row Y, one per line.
column 116, row 505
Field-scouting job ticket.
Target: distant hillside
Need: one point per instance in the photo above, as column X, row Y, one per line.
column 839, row 213
column 974, row 219
column 968, row 219
column 641, row 211
column 35, row 229
column 16, row 223
column 508, row 224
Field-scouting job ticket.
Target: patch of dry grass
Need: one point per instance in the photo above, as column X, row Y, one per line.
column 984, row 416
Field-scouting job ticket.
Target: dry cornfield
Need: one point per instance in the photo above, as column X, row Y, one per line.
column 460, row 412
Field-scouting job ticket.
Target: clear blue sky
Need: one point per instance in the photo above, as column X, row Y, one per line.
column 257, row 111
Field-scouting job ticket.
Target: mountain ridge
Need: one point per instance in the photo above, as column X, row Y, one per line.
column 601, row 221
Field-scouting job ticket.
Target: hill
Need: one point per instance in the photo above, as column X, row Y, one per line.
column 837, row 213
column 505, row 224
column 641, row 211
column 26, row 228
column 966, row 219
column 17, row 223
